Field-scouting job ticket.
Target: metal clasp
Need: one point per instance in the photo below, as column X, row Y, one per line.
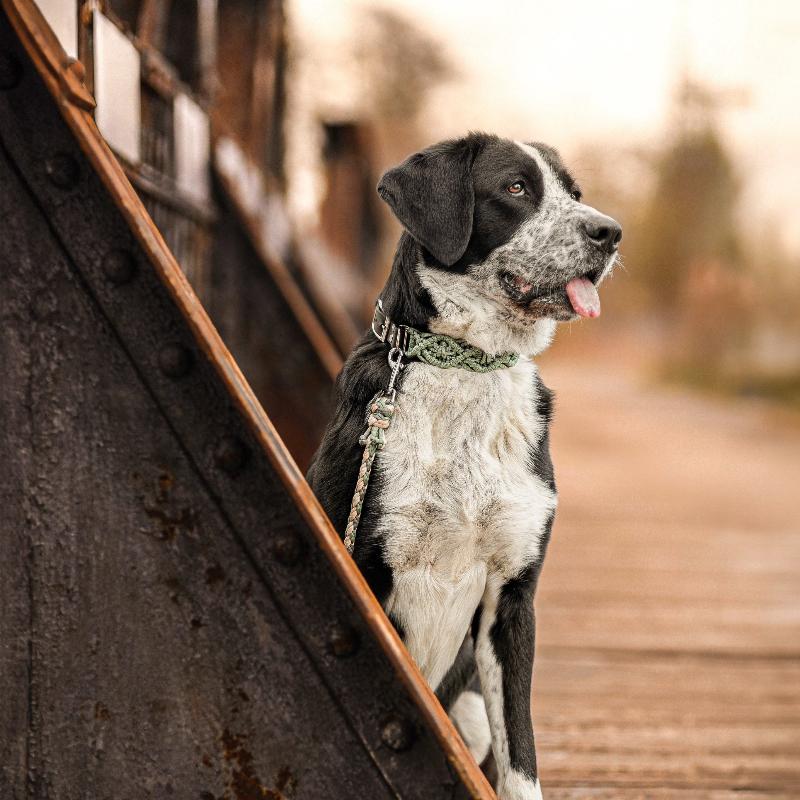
column 395, row 359
column 385, row 330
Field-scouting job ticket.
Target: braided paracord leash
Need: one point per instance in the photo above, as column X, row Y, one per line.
column 379, row 415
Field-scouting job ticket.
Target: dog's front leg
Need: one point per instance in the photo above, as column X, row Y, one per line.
column 504, row 655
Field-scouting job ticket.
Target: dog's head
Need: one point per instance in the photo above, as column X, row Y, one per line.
column 508, row 246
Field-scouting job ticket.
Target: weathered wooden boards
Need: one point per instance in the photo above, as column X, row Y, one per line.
column 668, row 651
column 178, row 617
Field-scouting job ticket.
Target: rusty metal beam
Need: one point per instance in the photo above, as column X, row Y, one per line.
column 181, row 618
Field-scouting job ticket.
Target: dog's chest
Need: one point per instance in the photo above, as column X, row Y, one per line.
column 458, row 493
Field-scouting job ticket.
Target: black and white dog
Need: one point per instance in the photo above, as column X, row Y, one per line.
column 497, row 248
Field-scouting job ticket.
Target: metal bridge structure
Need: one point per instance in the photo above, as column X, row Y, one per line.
column 178, row 617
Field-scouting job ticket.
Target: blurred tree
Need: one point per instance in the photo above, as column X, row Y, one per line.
column 723, row 296
column 403, row 63
column 690, row 217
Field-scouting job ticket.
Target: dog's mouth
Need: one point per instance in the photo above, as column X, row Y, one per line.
column 578, row 295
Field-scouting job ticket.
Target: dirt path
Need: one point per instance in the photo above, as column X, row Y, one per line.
column 668, row 652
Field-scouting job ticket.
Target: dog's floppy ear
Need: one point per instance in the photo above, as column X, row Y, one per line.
column 431, row 194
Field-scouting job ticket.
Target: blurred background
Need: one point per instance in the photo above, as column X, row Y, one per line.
column 678, row 118
column 255, row 132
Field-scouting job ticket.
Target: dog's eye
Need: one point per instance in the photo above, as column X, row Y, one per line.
column 516, row 188
column 576, row 194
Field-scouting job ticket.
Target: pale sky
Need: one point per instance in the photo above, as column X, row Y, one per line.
column 602, row 72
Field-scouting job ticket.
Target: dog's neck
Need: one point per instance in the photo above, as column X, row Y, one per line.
column 431, row 298
column 405, row 299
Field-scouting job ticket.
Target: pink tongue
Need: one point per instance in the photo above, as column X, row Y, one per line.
column 584, row 298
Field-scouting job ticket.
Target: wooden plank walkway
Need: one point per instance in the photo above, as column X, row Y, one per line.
column 668, row 657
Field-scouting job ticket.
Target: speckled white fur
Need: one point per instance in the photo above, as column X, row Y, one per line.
column 462, row 513
column 550, row 242
column 459, row 502
column 470, row 310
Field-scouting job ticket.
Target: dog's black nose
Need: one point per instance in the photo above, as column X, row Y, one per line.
column 603, row 231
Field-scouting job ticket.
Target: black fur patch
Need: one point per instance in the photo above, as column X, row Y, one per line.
column 368, row 551
column 544, row 401
column 334, row 468
column 475, row 626
column 539, row 461
column 431, row 193
column 459, row 676
column 498, row 214
column 544, row 540
column 513, row 639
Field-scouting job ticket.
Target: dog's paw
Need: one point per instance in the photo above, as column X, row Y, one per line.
column 516, row 786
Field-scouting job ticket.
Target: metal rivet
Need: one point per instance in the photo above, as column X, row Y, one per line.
column 343, row 640
column 43, row 305
column 397, row 734
column 175, row 360
column 230, row 454
column 62, row 170
column 119, row 266
column 10, row 71
column 287, row 548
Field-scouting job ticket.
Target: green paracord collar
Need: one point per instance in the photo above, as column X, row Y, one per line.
column 435, row 348
column 429, row 348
